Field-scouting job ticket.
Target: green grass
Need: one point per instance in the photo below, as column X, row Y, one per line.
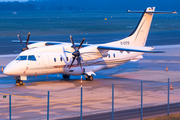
column 170, row 117
column 66, row 23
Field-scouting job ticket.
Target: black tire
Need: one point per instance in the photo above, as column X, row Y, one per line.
column 17, row 81
column 91, row 78
column 66, row 76
column 20, row 82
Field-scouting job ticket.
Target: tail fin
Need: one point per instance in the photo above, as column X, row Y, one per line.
column 139, row 36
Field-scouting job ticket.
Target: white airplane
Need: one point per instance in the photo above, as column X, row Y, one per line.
column 43, row 58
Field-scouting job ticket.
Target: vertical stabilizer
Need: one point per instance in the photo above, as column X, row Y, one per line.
column 139, row 36
column 141, row 32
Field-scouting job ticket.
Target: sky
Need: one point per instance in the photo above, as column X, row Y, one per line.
column 13, row 0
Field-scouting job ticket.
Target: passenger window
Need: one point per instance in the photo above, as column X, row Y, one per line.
column 31, row 58
column 114, row 55
column 61, row 58
column 54, row 59
column 22, row 58
column 67, row 58
column 109, row 55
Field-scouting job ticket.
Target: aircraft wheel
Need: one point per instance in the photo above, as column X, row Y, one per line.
column 66, row 76
column 90, row 78
column 19, row 82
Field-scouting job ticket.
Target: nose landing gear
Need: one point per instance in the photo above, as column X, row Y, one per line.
column 19, row 82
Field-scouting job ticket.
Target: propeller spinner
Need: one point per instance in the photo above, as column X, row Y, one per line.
column 76, row 53
column 25, row 47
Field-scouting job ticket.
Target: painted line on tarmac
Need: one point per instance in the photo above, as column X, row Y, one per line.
column 77, row 104
column 23, row 96
column 31, row 97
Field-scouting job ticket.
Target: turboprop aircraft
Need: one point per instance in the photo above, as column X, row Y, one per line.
column 43, row 58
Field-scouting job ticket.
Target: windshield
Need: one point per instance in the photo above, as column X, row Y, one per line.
column 31, row 57
column 22, row 58
column 25, row 57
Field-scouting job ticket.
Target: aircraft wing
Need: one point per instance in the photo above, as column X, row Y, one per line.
column 17, row 41
column 49, row 43
column 32, row 42
column 83, row 45
column 131, row 49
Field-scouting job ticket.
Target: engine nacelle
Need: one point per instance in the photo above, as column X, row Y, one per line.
column 90, row 53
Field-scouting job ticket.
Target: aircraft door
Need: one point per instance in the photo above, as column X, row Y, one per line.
column 45, row 61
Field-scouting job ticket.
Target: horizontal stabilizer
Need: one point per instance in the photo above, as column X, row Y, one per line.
column 155, row 12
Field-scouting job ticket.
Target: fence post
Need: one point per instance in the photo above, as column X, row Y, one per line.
column 141, row 100
column 9, row 107
column 168, row 100
column 112, row 101
column 48, row 106
column 81, row 100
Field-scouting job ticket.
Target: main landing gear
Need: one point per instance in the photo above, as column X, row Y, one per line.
column 89, row 78
column 19, row 82
column 66, row 76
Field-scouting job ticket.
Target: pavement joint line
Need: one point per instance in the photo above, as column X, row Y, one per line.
column 23, row 96
column 50, row 100
column 78, row 104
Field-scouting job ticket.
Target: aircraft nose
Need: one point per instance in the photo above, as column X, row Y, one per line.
column 10, row 69
column 7, row 70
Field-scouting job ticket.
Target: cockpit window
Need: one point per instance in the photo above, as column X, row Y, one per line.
column 31, row 57
column 22, row 58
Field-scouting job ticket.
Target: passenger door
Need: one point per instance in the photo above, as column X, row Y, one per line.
column 45, row 61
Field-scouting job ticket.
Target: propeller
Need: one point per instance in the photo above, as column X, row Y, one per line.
column 76, row 53
column 25, row 46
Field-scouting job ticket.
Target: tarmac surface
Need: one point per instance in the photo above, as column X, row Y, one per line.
column 132, row 113
column 30, row 101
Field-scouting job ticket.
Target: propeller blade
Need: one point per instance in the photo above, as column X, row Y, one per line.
column 79, row 60
column 81, row 43
column 72, row 62
column 20, row 40
column 27, row 39
column 72, row 42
